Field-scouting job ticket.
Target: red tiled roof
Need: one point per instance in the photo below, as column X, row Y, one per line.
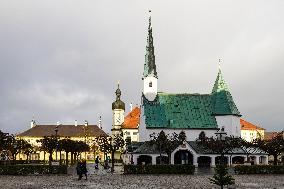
column 245, row 125
column 270, row 135
column 132, row 120
column 63, row 130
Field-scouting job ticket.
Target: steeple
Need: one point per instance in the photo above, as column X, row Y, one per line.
column 150, row 66
column 223, row 103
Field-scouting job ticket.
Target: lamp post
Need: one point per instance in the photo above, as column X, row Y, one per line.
column 85, row 135
column 56, row 131
column 15, row 150
column 221, row 137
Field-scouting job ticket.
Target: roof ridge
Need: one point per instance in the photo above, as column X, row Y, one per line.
column 165, row 93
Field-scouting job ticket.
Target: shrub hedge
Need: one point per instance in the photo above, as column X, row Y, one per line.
column 259, row 169
column 159, row 169
column 32, row 169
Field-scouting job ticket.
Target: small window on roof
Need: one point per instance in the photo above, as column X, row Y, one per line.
column 150, row 84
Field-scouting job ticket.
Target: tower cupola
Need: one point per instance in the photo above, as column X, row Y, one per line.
column 118, row 104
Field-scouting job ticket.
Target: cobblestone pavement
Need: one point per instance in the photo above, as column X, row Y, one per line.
column 117, row 181
column 102, row 179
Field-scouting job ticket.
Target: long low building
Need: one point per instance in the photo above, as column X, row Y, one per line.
column 190, row 153
column 87, row 133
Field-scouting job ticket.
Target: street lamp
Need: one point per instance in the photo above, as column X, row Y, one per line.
column 56, row 131
column 85, row 134
column 221, row 137
column 15, row 150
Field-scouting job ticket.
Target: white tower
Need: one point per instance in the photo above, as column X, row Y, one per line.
column 118, row 108
column 150, row 77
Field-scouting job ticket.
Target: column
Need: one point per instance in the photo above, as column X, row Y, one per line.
column 195, row 161
column 256, row 160
column 230, row 160
column 266, row 160
column 154, row 159
column 213, row 161
column 135, row 159
column 172, row 159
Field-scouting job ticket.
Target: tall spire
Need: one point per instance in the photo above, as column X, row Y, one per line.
column 150, row 66
column 223, row 103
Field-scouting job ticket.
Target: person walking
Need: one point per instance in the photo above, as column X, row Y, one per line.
column 79, row 169
column 97, row 161
column 84, row 168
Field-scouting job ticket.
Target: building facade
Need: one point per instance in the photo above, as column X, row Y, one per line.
column 192, row 113
column 87, row 133
column 188, row 112
column 250, row 132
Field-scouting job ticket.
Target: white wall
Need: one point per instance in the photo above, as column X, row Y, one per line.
column 134, row 138
column 231, row 124
column 150, row 92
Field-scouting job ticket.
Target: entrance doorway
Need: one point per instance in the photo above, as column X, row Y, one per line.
column 144, row 159
column 204, row 161
column 183, row 157
column 238, row 160
column 164, row 160
column 218, row 160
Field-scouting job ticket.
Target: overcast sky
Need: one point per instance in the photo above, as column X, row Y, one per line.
column 61, row 60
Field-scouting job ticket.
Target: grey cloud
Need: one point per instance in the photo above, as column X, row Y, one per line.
column 61, row 60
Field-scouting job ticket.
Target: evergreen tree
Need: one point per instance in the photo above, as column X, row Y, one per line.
column 221, row 176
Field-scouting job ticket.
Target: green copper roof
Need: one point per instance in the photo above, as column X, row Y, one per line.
column 223, row 103
column 150, row 66
column 179, row 111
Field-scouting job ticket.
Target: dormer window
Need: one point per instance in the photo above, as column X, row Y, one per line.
column 150, row 84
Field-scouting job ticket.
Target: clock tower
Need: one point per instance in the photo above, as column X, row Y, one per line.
column 118, row 108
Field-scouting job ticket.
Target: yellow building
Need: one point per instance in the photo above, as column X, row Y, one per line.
column 249, row 131
column 87, row 133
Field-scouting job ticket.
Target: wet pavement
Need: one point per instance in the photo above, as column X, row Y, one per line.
column 103, row 179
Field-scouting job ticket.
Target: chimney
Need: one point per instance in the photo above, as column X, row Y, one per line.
column 131, row 106
column 76, row 123
column 86, row 123
column 100, row 123
column 33, row 123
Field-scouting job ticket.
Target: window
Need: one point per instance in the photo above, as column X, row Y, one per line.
column 127, row 133
column 135, row 133
column 150, row 84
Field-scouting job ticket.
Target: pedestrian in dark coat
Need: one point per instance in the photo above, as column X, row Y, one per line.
column 79, row 169
column 97, row 161
column 84, row 168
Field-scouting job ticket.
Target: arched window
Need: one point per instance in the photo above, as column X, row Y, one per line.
column 150, row 84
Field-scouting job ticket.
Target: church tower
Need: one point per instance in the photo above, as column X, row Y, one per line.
column 150, row 77
column 118, row 108
column 224, row 108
